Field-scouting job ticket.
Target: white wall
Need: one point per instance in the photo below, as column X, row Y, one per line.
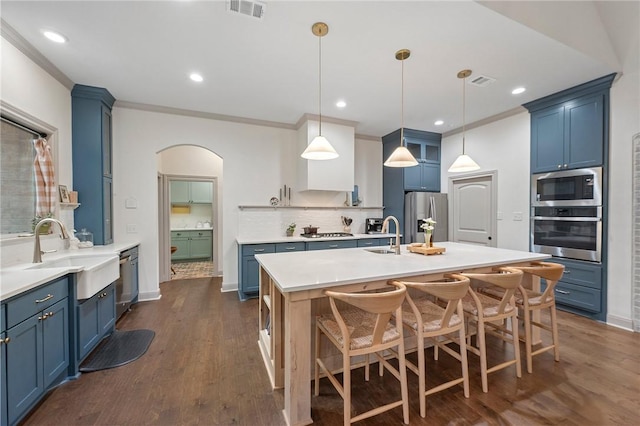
column 29, row 89
column 257, row 160
column 503, row 146
column 625, row 122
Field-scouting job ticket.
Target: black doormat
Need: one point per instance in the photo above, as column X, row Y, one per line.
column 121, row 348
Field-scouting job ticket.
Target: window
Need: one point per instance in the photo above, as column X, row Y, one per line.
column 17, row 185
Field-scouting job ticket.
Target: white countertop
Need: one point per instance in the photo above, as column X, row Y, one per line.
column 262, row 239
column 17, row 279
column 306, row 270
column 192, row 229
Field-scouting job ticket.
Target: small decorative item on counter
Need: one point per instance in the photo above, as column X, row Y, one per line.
column 85, row 238
column 291, row 229
column 346, row 223
column 428, row 227
column 274, row 201
column 73, row 197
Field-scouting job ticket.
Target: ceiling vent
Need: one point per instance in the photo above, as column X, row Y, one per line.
column 481, row 81
column 253, row 9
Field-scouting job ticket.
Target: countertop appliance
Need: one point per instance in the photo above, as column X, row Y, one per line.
column 422, row 205
column 579, row 187
column 373, row 225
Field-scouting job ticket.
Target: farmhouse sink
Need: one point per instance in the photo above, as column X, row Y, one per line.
column 93, row 272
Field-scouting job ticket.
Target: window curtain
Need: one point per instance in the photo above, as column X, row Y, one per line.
column 46, row 193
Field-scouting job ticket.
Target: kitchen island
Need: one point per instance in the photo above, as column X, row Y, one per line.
column 291, row 292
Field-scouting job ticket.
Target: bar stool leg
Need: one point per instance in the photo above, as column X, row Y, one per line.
column 554, row 332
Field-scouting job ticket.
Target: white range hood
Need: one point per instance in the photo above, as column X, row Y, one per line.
column 327, row 175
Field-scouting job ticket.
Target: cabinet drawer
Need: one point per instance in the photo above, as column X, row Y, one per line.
column 287, row 247
column 588, row 299
column 26, row 305
column 251, row 249
column 327, row 245
column 372, row 242
column 581, row 273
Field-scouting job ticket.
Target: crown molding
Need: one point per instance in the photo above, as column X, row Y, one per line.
column 201, row 114
column 314, row 117
column 485, row 121
column 20, row 43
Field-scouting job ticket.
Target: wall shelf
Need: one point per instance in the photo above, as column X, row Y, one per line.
column 247, row 207
column 69, row 205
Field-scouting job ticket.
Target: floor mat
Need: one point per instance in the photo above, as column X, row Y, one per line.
column 121, row 348
column 191, row 270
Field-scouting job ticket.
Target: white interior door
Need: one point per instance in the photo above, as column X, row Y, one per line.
column 473, row 209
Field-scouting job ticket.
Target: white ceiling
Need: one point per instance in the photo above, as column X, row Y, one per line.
column 267, row 69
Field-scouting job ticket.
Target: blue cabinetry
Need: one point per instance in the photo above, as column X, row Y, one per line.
column 569, row 130
column 36, row 347
column 248, row 268
column 96, row 319
column 425, row 147
column 581, row 288
column 3, row 368
column 329, row 245
column 92, row 160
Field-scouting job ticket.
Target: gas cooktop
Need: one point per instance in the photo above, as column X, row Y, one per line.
column 327, row 235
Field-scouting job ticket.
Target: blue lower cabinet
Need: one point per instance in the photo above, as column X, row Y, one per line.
column 248, row 268
column 96, row 319
column 328, row 245
column 3, row 378
column 373, row 242
column 35, row 347
column 580, row 288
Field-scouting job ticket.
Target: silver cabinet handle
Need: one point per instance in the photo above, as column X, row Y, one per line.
column 333, row 245
column 289, row 248
column 258, row 250
column 49, row 296
column 562, row 291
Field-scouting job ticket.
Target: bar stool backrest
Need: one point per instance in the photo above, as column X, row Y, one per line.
column 505, row 277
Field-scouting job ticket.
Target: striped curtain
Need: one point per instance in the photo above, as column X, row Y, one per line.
column 46, row 194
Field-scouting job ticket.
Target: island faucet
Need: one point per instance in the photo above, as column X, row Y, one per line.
column 37, row 252
column 385, row 225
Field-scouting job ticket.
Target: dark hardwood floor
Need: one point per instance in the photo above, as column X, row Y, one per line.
column 204, row 367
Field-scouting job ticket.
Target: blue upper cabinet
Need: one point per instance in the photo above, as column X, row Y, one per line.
column 92, row 160
column 569, row 130
column 425, row 147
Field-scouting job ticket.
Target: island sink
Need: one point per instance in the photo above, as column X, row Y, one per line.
column 381, row 251
column 93, row 272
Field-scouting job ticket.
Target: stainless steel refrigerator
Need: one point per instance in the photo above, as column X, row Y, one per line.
column 421, row 205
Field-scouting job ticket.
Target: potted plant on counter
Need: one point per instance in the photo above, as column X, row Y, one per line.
column 428, row 227
column 45, row 227
column 291, row 229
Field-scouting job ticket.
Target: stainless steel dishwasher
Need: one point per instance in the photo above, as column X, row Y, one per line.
column 126, row 285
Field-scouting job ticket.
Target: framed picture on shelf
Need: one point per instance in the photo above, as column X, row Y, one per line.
column 64, row 193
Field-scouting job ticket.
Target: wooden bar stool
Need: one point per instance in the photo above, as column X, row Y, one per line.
column 530, row 301
column 363, row 328
column 489, row 314
column 430, row 321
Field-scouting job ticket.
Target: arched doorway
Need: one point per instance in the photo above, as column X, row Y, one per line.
column 189, row 209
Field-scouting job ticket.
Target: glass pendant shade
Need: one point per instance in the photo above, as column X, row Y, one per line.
column 463, row 163
column 319, row 149
column 401, row 157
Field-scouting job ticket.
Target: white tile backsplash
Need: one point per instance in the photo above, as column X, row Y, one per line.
column 274, row 222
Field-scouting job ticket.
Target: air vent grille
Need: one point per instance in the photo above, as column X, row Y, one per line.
column 482, row 81
column 253, row 9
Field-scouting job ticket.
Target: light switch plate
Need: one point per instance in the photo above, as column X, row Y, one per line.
column 517, row 216
column 132, row 228
column 131, row 203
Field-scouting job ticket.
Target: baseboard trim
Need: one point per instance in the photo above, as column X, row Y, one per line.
column 620, row 322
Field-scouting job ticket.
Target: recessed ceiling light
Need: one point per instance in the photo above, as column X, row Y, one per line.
column 341, row 104
column 196, row 77
column 55, row 37
column 518, row 90
column 439, row 123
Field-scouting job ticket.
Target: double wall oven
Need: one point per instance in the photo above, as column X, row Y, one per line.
column 566, row 214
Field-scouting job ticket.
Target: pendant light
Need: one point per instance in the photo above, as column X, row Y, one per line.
column 401, row 157
column 463, row 163
column 320, row 148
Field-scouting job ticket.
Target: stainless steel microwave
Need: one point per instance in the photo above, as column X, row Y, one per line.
column 569, row 188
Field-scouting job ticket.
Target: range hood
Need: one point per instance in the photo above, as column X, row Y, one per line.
column 327, row 175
